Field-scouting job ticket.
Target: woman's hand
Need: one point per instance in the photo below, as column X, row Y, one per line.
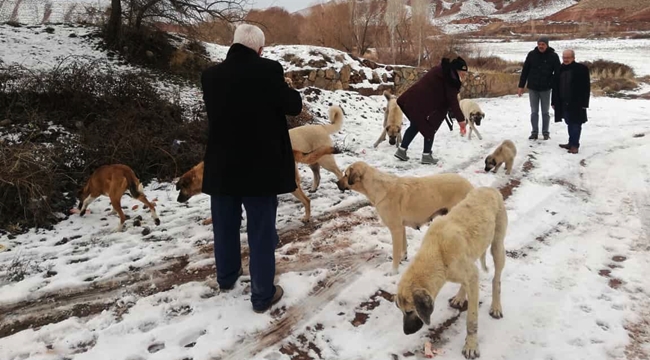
column 463, row 127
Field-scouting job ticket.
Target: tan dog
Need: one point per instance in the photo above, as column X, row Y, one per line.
column 191, row 183
column 112, row 181
column 473, row 114
column 449, row 252
column 504, row 153
column 406, row 201
column 307, row 138
column 392, row 127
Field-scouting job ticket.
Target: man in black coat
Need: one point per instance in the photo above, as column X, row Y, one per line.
column 248, row 159
column 571, row 93
column 539, row 69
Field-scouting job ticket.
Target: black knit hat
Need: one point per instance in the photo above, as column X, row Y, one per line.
column 459, row 64
column 543, row 39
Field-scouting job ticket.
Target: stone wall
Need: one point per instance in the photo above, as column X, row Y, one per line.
column 395, row 79
column 346, row 78
column 474, row 85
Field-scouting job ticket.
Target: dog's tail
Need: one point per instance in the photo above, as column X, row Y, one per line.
column 313, row 156
column 483, row 264
column 387, row 95
column 336, row 119
column 135, row 187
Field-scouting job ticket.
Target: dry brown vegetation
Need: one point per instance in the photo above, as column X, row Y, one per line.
column 501, row 76
column 103, row 116
column 609, row 77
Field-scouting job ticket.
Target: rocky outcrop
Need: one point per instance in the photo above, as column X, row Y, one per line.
column 345, row 78
column 474, row 85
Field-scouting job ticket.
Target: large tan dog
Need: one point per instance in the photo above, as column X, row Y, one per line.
column 392, row 127
column 449, row 252
column 473, row 114
column 308, row 138
column 504, row 153
column 112, row 181
column 406, row 201
column 191, row 183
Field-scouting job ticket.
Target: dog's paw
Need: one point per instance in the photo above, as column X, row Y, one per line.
column 305, row 219
column 405, row 256
column 496, row 312
column 458, row 304
column 392, row 272
column 470, row 350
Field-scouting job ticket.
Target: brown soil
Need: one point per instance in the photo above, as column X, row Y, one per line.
column 619, row 258
column 615, row 283
column 435, row 334
column 361, row 316
column 605, row 10
column 639, row 333
column 604, row 272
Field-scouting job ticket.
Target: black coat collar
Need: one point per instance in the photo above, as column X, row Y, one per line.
column 238, row 51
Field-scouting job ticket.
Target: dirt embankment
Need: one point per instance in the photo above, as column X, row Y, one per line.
column 605, row 10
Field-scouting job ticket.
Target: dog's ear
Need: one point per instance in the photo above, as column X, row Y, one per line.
column 353, row 176
column 423, row 305
column 482, row 115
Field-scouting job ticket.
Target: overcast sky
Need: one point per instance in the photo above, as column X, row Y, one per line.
column 290, row 5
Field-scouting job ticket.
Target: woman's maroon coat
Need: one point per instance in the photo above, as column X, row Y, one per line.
column 427, row 101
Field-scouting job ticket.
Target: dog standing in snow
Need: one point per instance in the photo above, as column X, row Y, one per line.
column 473, row 114
column 113, row 181
column 448, row 253
column 504, row 153
column 392, row 122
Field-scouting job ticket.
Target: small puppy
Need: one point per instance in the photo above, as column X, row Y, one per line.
column 392, row 122
column 473, row 114
column 112, row 181
column 504, row 153
column 448, row 253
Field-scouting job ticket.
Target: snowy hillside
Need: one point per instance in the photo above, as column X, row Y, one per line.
column 36, row 11
column 575, row 283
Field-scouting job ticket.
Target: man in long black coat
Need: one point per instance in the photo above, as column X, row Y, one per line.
column 248, row 159
column 571, row 92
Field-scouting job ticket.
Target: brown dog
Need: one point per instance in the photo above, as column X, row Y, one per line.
column 392, row 127
column 448, row 253
column 406, row 201
column 113, row 181
column 191, row 183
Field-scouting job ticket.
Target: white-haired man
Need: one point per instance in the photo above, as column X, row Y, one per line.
column 248, row 159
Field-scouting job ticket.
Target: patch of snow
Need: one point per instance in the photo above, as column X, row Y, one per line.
column 632, row 52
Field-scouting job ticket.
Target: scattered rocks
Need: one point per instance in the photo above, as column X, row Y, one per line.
column 146, row 231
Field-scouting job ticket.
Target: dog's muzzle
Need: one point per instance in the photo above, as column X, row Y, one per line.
column 182, row 198
column 412, row 324
column 392, row 140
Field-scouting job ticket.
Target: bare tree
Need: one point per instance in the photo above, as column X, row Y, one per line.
column 179, row 12
column 364, row 15
column 420, row 20
column 114, row 22
column 393, row 16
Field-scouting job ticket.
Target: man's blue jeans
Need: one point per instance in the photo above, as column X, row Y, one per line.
column 538, row 98
column 262, row 241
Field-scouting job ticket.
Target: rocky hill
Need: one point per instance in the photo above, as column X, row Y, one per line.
column 605, row 10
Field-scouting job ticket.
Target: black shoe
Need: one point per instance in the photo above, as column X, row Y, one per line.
column 565, row 146
column 223, row 288
column 279, row 292
column 532, row 137
column 546, row 137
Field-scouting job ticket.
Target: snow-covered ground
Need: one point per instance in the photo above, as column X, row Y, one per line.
column 632, row 52
column 574, row 284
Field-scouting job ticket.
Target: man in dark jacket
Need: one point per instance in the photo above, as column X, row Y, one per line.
column 539, row 69
column 248, row 159
column 571, row 93
column 427, row 102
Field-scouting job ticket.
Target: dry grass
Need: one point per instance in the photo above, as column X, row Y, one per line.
column 644, row 79
column 493, row 64
column 501, row 84
column 611, row 86
column 605, row 69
